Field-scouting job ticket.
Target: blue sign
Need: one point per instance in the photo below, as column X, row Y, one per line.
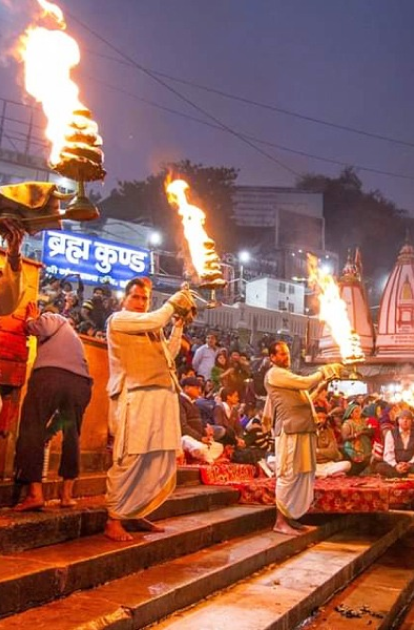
column 98, row 261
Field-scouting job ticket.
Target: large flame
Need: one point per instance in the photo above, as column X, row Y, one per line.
column 52, row 9
column 333, row 312
column 201, row 247
column 49, row 56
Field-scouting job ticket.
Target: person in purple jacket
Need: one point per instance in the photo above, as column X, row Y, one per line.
column 59, row 384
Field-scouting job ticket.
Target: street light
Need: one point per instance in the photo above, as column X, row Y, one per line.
column 244, row 258
column 154, row 240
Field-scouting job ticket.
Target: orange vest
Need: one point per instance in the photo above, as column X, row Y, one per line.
column 13, row 351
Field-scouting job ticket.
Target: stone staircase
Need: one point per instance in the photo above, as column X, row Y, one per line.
column 218, row 564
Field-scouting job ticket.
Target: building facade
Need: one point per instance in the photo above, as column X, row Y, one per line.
column 291, row 222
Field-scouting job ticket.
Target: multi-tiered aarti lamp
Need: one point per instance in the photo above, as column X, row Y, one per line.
column 333, row 311
column 202, row 261
column 48, row 55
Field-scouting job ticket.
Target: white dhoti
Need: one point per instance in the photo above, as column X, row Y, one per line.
column 140, row 484
column 332, row 469
column 204, row 452
column 147, row 438
column 295, row 473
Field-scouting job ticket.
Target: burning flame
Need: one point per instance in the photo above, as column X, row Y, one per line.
column 334, row 312
column 201, row 247
column 53, row 9
column 49, row 56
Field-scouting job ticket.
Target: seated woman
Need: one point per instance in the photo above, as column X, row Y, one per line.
column 357, row 439
column 399, row 448
column 335, row 418
column 227, row 415
column 220, row 365
column 329, row 459
column 372, row 413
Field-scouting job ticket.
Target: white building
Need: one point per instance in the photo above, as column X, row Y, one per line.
column 275, row 294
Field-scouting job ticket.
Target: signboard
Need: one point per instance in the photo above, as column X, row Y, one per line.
column 96, row 260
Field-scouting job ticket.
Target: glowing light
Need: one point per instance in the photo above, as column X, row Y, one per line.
column 244, row 257
column 49, row 55
column 204, row 259
column 155, row 239
column 53, row 9
column 333, row 312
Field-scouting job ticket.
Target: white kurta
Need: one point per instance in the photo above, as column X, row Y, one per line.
column 145, row 422
column 146, row 418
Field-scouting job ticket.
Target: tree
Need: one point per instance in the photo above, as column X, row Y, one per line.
column 357, row 218
column 145, row 202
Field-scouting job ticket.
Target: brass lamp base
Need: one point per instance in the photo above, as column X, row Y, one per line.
column 81, row 209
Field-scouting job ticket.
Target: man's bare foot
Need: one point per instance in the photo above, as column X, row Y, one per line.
column 30, row 504
column 282, row 526
column 298, row 525
column 115, row 531
column 66, row 496
column 148, row 526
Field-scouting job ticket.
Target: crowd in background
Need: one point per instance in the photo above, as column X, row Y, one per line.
column 351, row 433
column 66, row 296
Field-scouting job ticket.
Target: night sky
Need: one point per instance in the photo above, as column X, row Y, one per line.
column 347, row 63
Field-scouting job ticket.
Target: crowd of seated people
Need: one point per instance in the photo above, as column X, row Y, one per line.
column 361, row 435
column 373, row 436
column 358, row 436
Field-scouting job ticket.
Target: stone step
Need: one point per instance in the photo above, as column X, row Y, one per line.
column 378, row 598
column 281, row 597
column 202, row 560
column 36, row 576
column 28, row 530
column 407, row 623
column 88, row 485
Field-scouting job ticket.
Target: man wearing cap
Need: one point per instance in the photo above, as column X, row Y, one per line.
column 144, row 410
column 289, row 406
column 197, row 438
column 399, row 448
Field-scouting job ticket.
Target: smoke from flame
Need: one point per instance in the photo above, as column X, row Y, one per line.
column 333, row 311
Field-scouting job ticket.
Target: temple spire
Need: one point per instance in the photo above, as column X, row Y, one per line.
column 395, row 336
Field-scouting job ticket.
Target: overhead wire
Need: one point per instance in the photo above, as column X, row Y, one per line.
column 181, row 96
column 268, row 106
column 244, row 135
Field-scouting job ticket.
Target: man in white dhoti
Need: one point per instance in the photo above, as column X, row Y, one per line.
column 11, row 276
column 144, row 407
column 289, row 405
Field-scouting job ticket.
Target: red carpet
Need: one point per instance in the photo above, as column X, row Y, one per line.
column 333, row 495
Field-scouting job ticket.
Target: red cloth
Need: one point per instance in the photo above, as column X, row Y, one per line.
column 332, row 495
column 351, row 494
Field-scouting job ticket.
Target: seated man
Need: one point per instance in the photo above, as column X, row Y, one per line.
column 197, row 439
column 398, row 448
column 329, row 461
